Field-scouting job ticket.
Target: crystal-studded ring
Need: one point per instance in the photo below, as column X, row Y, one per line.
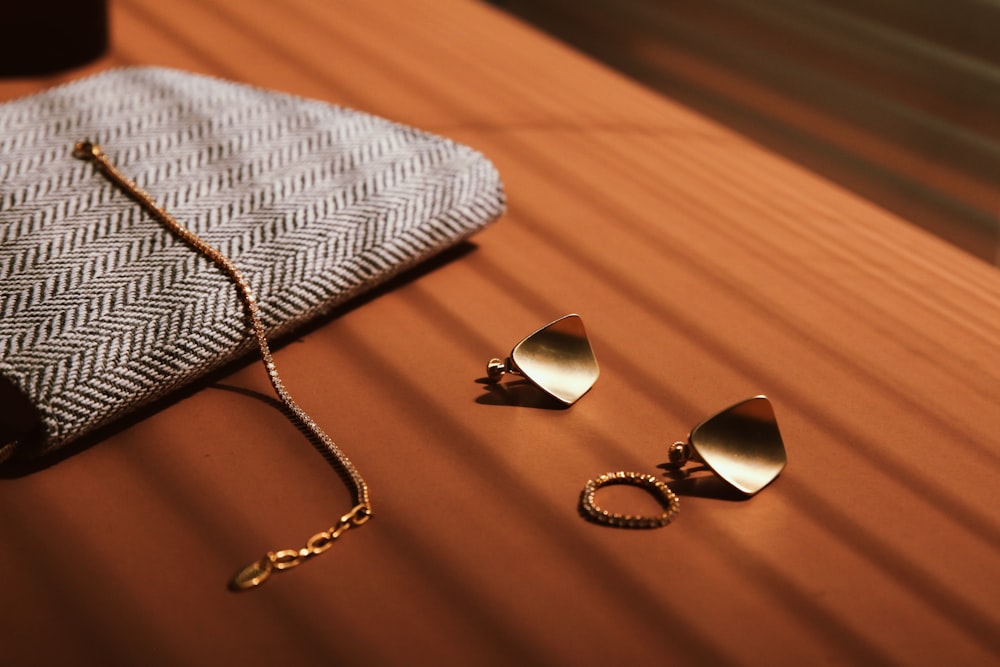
column 658, row 489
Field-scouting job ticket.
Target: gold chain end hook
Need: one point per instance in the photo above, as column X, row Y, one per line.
column 86, row 150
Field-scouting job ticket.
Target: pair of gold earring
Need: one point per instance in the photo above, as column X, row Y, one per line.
column 741, row 444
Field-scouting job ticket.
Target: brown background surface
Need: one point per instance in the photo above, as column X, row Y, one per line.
column 896, row 100
column 707, row 270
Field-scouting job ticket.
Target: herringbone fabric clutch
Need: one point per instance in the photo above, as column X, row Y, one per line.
column 102, row 310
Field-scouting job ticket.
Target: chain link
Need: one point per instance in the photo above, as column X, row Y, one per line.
column 320, row 542
column 257, row 572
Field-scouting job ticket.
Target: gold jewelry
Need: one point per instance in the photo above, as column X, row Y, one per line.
column 257, row 572
column 657, row 488
column 741, row 444
column 557, row 359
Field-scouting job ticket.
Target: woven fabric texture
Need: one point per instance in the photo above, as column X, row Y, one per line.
column 103, row 310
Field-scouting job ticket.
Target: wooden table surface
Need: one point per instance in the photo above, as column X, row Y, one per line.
column 707, row 270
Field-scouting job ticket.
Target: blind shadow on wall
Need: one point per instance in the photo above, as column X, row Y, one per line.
column 897, row 100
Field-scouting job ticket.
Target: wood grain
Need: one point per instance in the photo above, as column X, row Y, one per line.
column 707, row 270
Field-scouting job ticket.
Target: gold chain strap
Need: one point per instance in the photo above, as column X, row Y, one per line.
column 257, row 572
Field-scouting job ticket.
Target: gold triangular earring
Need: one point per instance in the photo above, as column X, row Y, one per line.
column 558, row 359
column 741, row 444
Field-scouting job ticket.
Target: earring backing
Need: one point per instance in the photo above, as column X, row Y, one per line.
column 558, row 359
column 741, row 444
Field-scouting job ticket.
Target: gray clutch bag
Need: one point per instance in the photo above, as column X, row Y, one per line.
column 102, row 310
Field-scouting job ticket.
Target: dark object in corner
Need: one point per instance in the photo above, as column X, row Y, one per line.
column 48, row 36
